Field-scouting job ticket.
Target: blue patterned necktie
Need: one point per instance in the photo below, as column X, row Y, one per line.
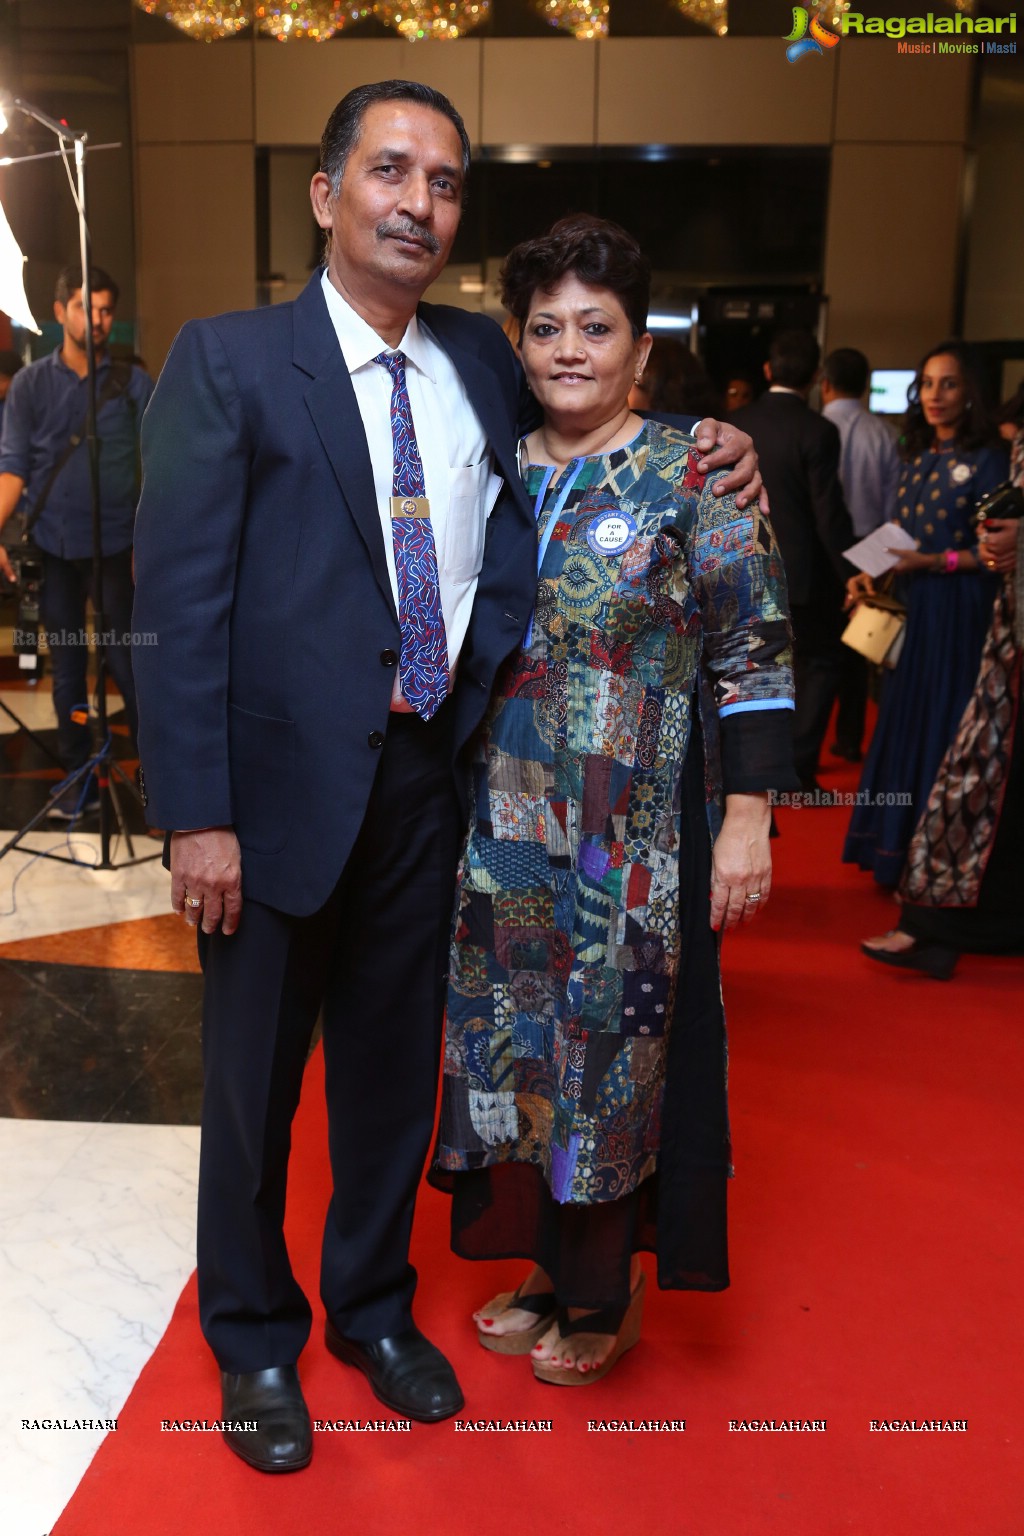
column 424, row 657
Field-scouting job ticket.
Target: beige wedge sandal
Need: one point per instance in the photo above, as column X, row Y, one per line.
column 541, row 1304
column 624, row 1324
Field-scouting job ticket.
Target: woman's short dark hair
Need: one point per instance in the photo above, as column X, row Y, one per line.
column 598, row 252
column 976, row 428
column 676, row 381
column 345, row 123
column 1012, row 410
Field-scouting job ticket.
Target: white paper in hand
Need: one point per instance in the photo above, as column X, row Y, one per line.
column 872, row 556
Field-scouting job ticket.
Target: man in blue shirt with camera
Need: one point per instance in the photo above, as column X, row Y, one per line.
column 44, row 470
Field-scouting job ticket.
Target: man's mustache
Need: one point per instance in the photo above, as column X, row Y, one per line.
column 409, row 231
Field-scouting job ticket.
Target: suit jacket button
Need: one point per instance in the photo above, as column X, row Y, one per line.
column 376, row 739
column 389, row 658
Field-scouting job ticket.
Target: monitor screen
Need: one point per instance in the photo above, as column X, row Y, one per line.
column 888, row 393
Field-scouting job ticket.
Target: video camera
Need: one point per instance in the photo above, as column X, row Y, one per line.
column 27, row 562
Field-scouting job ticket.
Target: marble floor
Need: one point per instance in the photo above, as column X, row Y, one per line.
column 96, row 1241
column 99, row 1104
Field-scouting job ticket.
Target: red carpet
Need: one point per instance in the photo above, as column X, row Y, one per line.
column 877, row 1256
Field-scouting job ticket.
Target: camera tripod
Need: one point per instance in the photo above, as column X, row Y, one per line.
column 108, row 772
column 102, row 763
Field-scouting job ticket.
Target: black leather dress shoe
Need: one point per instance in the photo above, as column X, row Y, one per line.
column 266, row 1419
column 406, row 1371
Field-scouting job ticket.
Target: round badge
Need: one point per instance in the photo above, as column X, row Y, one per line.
column 611, row 532
column 959, row 473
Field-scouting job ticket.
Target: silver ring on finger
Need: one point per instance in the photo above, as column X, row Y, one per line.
column 755, row 896
column 193, row 901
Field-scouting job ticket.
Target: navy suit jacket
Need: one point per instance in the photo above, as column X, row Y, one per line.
column 798, row 454
column 263, row 603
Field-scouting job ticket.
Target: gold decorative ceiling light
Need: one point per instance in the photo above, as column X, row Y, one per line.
column 713, row 14
column 829, row 14
column 587, row 19
column 315, row 19
column 203, row 19
column 441, row 19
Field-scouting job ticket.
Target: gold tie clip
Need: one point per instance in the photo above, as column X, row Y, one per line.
column 410, row 506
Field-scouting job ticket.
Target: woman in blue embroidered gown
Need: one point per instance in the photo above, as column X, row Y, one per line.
column 952, row 458
column 584, row 1114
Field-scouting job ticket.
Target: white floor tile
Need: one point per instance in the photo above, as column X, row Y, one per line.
column 33, row 707
column 97, row 1234
column 38, row 896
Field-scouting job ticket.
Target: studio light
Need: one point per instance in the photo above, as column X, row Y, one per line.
column 13, row 299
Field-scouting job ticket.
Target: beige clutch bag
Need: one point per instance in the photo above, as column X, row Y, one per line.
column 876, row 629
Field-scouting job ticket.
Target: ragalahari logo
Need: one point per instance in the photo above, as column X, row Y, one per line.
column 810, row 34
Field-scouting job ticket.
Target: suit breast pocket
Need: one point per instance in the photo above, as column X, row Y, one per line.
column 262, row 759
column 472, row 493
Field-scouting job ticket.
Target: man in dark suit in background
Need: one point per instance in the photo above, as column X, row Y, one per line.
column 799, row 457
column 331, row 521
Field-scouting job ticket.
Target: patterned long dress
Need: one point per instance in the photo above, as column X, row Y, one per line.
column 583, row 904
column 961, row 883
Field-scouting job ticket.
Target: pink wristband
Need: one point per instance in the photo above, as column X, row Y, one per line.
column 952, row 560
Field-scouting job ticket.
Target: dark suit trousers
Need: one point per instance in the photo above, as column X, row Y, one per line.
column 375, row 958
column 817, row 669
column 854, row 685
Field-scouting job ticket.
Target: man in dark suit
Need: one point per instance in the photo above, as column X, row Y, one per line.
column 799, row 457
column 300, row 726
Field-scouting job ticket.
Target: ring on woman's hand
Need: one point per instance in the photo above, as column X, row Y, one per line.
column 193, row 901
column 755, row 897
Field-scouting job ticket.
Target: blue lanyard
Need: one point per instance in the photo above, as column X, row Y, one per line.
column 572, row 475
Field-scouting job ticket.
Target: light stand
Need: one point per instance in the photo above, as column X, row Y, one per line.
column 102, row 763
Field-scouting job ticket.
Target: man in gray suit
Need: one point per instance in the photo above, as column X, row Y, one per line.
column 869, row 472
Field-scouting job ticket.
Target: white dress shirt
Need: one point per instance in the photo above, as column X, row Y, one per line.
column 457, row 461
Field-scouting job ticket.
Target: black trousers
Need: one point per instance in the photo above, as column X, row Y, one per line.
column 375, row 960
column 817, row 669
